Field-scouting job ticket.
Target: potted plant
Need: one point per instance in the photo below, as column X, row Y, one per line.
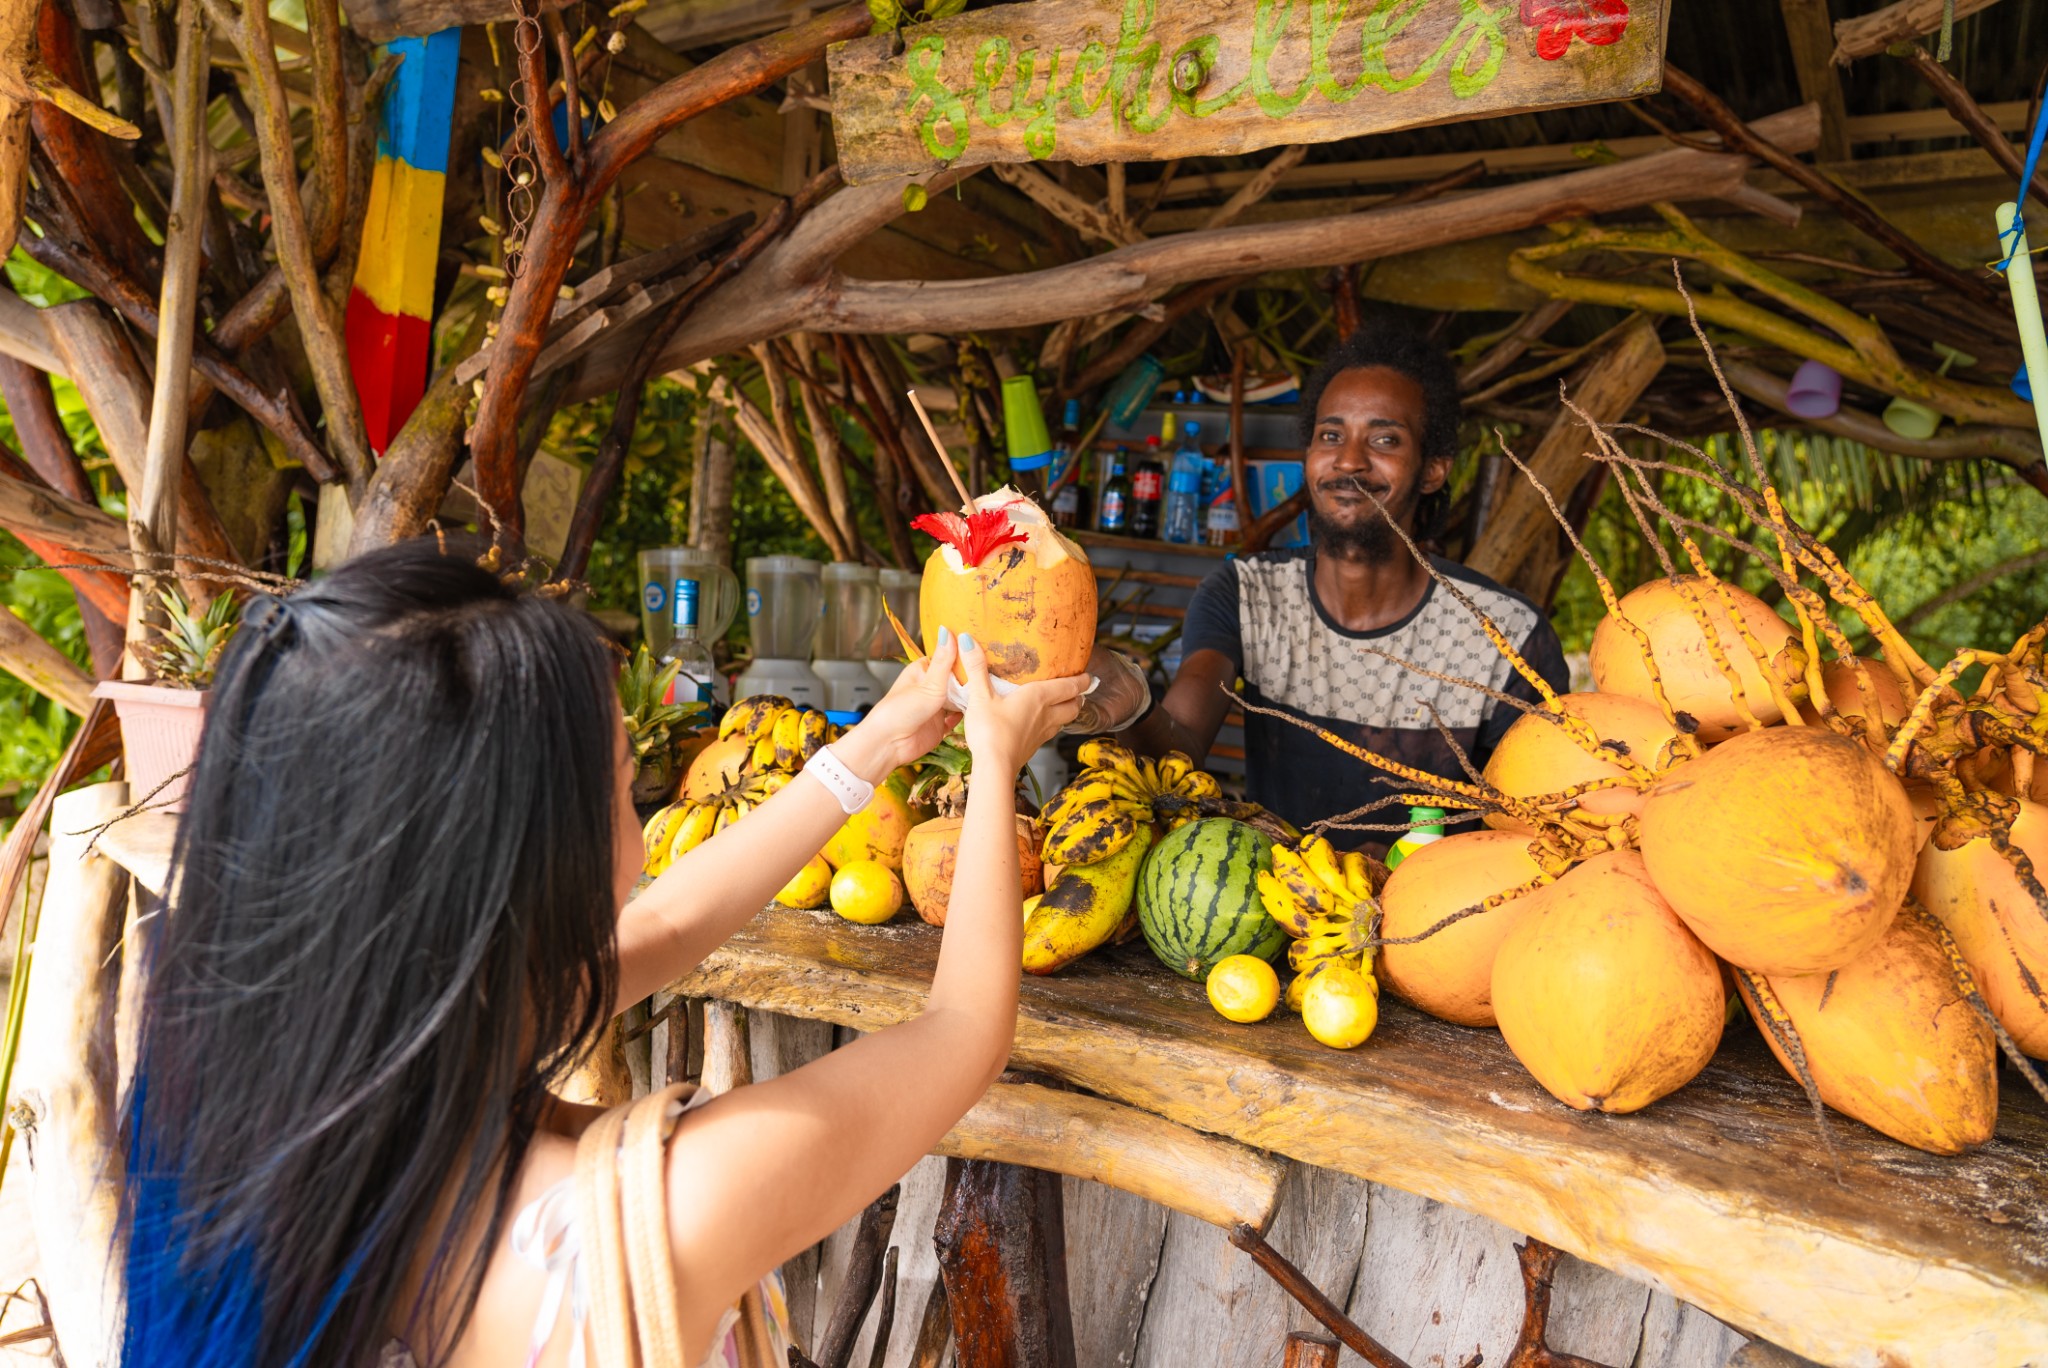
column 654, row 728
column 161, row 719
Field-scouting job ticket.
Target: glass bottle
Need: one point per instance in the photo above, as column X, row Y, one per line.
column 1148, row 492
column 697, row 678
column 1114, row 511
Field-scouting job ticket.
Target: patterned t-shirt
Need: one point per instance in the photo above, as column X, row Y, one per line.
column 1262, row 613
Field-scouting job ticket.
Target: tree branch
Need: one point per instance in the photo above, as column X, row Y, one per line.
column 1736, row 134
column 1971, row 115
column 566, row 205
column 326, row 351
column 772, row 297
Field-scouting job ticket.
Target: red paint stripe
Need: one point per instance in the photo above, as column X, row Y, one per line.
column 387, row 354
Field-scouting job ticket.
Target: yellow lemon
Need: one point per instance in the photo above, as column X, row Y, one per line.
column 809, row 887
column 1244, row 988
column 1340, row 1008
column 866, row 891
column 876, row 832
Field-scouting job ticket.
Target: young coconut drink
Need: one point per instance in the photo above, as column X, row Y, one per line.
column 1004, row 575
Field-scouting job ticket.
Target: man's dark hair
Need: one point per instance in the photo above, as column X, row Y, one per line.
column 1390, row 342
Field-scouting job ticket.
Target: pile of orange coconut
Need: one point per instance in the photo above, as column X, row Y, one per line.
column 1745, row 812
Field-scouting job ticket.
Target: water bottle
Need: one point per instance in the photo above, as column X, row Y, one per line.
column 1182, row 520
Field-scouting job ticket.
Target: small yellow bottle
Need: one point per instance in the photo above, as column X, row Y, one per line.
column 1426, row 824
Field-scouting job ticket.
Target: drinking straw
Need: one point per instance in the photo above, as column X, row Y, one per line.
column 966, row 499
column 2026, row 303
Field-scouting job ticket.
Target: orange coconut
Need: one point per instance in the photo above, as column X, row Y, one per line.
column 1450, row 975
column 1693, row 683
column 1890, row 1041
column 1006, row 576
column 928, row 855
column 716, row 768
column 1603, row 993
column 1865, row 690
column 1788, row 851
column 1997, row 922
column 1536, row 757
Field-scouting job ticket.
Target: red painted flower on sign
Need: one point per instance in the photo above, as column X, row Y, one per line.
column 1598, row 22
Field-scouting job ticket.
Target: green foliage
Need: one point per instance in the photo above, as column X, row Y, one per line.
column 33, row 730
column 651, row 505
column 1907, row 530
column 651, row 723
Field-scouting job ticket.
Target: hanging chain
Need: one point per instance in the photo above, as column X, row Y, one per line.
column 522, row 171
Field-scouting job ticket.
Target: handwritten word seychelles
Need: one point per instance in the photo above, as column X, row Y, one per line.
column 1134, row 78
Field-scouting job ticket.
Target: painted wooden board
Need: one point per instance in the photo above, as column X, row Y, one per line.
column 1133, row 80
column 1720, row 1194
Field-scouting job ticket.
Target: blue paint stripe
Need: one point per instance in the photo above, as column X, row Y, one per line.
column 420, row 101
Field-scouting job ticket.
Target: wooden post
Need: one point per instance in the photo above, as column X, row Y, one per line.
column 728, row 1055
column 1002, row 1257
column 863, row 1279
column 65, row 1104
column 711, row 490
column 1521, row 524
column 1813, row 44
column 1310, row 1351
column 153, row 504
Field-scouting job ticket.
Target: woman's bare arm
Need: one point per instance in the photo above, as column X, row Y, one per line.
column 766, row 1171
column 714, row 890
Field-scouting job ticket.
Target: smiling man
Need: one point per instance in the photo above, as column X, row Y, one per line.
column 1316, row 633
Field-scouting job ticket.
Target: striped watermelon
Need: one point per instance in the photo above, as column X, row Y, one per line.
column 1198, row 897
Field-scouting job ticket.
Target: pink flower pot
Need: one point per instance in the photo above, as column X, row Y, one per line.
column 160, row 737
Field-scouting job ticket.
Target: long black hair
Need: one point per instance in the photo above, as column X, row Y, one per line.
column 391, row 925
column 1387, row 341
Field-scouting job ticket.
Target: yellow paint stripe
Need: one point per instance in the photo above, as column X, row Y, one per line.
column 401, row 238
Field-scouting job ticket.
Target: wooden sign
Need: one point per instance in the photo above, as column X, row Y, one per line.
column 1144, row 80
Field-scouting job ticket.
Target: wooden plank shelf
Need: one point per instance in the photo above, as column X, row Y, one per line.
column 1722, row 1194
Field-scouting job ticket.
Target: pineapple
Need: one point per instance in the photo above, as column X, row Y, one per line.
column 651, row 725
column 188, row 647
column 938, row 782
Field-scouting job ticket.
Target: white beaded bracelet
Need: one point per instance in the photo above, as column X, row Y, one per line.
column 852, row 791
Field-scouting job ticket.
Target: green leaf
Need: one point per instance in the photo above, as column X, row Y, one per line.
column 943, row 9
column 887, row 14
column 914, row 197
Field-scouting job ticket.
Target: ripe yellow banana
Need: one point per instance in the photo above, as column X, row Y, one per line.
column 788, row 733
column 1283, row 904
column 1357, row 874
column 1083, row 907
column 1099, row 752
column 818, row 733
column 751, row 716
column 1198, row 786
column 1292, row 870
column 656, row 835
column 763, row 756
column 1324, row 863
column 692, row 831
column 1173, row 768
column 1088, row 834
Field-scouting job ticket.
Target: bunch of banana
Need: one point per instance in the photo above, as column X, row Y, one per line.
column 1326, row 900
column 682, row 826
column 783, row 734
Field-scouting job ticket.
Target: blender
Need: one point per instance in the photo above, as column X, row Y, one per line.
column 718, row 593
column 900, row 590
column 782, row 618
column 853, row 608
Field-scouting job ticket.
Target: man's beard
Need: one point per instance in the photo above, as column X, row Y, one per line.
column 1370, row 539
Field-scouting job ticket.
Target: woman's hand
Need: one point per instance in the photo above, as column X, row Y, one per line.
column 911, row 718
column 1003, row 731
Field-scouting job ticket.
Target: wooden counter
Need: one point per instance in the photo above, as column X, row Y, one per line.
column 1721, row 1194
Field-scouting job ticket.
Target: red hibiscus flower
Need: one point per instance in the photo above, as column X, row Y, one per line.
column 1598, row 22
column 974, row 536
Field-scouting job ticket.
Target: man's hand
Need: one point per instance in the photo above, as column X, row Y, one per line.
column 1121, row 694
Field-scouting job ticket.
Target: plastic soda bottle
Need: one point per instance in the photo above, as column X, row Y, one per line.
column 1426, row 824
